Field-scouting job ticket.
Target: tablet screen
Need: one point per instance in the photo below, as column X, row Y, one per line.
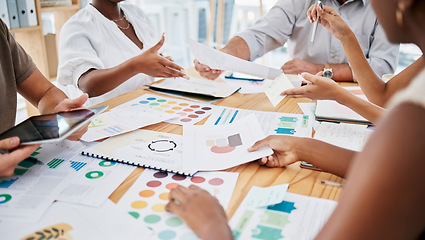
column 51, row 126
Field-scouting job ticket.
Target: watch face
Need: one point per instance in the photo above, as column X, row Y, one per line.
column 327, row 72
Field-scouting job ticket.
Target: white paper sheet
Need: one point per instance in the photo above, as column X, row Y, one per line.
column 222, row 147
column 147, row 197
column 219, row 60
column 182, row 112
column 120, row 121
column 198, row 86
column 145, row 148
column 273, row 90
column 262, row 197
column 69, row 221
column 38, row 180
column 350, row 136
column 248, row 87
column 271, row 122
column 297, row 217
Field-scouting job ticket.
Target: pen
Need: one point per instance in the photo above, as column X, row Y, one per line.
column 330, row 183
column 316, row 23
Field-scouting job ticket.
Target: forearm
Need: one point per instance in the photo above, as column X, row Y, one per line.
column 237, row 47
column 371, row 85
column 325, row 156
column 100, row 81
column 366, row 109
column 41, row 93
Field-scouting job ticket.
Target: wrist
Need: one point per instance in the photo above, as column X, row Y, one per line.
column 348, row 37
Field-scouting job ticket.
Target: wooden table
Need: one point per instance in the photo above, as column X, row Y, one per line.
column 301, row 181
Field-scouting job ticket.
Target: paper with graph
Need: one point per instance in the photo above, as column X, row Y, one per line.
column 296, row 217
column 271, row 122
column 219, row 60
column 221, row 147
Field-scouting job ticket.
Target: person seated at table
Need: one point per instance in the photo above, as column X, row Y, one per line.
column 287, row 22
column 376, row 90
column 109, row 48
column 18, row 73
column 383, row 196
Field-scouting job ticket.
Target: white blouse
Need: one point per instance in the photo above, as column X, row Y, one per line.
column 414, row 93
column 88, row 40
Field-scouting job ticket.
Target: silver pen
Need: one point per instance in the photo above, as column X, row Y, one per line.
column 316, row 23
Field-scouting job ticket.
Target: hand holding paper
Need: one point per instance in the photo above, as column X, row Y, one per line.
column 219, row 60
column 273, row 90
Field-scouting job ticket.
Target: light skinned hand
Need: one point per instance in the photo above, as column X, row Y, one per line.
column 330, row 19
column 283, row 147
column 74, row 104
column 297, row 66
column 207, row 72
column 9, row 161
column 200, row 211
column 153, row 64
column 317, row 88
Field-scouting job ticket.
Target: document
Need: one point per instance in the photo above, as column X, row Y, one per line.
column 219, row 60
column 221, row 147
column 261, row 197
column 72, row 221
column 350, row 136
column 145, row 200
column 271, row 122
column 273, row 90
column 119, row 121
column 297, row 217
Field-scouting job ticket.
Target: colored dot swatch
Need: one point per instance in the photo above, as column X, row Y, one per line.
column 147, row 198
column 216, row 181
column 146, row 193
column 152, row 219
column 175, row 107
column 174, row 222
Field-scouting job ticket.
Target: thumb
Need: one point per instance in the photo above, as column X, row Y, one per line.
column 9, row 143
column 159, row 44
column 69, row 104
column 259, row 144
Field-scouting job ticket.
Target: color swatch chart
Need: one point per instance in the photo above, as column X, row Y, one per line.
column 271, row 122
column 183, row 111
column 297, row 217
column 147, row 197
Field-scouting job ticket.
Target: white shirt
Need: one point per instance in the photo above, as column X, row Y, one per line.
column 287, row 21
column 414, row 93
column 88, row 40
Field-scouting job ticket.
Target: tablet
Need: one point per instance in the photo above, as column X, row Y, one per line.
column 51, row 127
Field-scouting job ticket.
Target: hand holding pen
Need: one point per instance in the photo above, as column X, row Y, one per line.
column 330, row 19
column 313, row 19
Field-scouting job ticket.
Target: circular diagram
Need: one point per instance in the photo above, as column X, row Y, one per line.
column 162, row 146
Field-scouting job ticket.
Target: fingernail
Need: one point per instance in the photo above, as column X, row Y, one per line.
column 13, row 141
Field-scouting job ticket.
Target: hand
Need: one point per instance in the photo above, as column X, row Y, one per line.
column 207, row 72
column 153, row 64
column 298, row 66
column 330, row 19
column 283, row 147
column 74, row 104
column 317, row 88
column 201, row 212
column 9, row 161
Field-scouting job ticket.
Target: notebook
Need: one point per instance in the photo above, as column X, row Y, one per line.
column 329, row 110
column 198, row 86
column 143, row 148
